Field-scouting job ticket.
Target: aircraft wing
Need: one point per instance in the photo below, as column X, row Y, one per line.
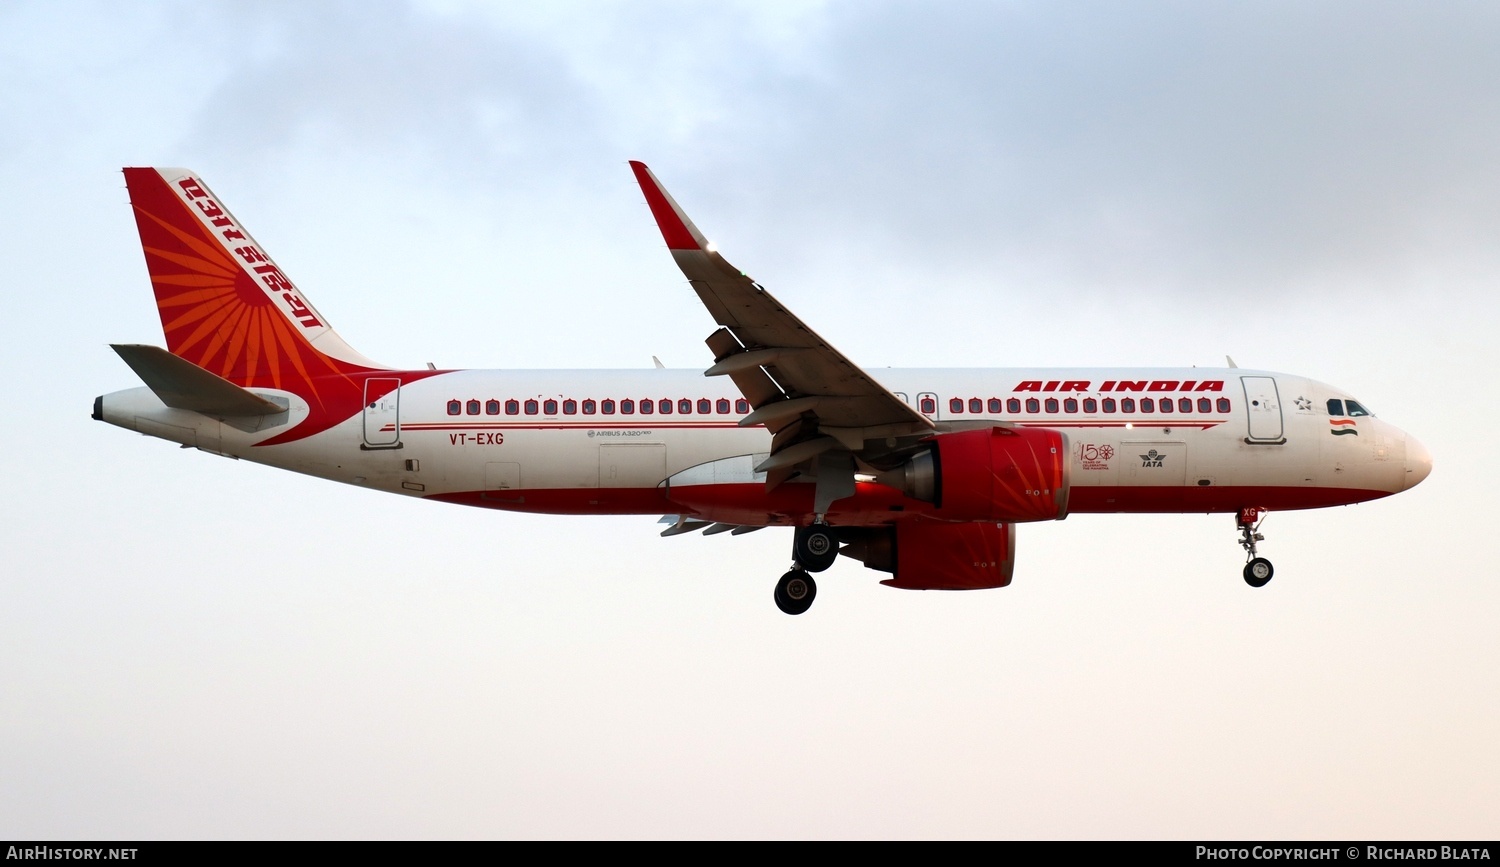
column 812, row 398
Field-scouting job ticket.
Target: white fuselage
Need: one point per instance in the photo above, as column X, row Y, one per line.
column 563, row 441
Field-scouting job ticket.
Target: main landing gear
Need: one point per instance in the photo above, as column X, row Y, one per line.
column 795, row 592
column 814, row 549
column 1258, row 570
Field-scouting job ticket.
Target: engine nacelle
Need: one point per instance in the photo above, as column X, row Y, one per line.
column 1001, row 474
column 924, row 554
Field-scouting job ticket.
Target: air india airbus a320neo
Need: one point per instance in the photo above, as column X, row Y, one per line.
column 922, row 474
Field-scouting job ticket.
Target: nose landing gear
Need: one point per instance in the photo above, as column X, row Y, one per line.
column 1258, row 570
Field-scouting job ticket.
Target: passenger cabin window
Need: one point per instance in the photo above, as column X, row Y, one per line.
column 492, row 407
column 570, row 407
column 1335, row 407
column 995, row 406
column 705, row 406
column 1033, row 405
column 1223, row 404
column 665, row 407
column 1109, row 404
column 549, row 407
column 1148, row 405
column 648, row 407
column 455, row 407
column 742, row 406
column 627, row 407
column 1184, row 404
column 685, row 406
column 1127, row 404
column 955, row 404
column 929, row 405
column 1013, row 405
column 1051, row 404
column 1205, row 405
column 512, row 407
column 1355, row 410
column 976, row 405
column 532, row 407
column 1070, row 404
column 607, row 406
column 473, row 407
column 589, row 407
column 721, row 406
column 1090, row 405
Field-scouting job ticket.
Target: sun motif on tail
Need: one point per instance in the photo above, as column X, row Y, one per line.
column 220, row 318
column 226, row 306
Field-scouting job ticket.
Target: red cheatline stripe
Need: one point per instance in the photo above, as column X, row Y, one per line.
column 1155, row 422
column 1339, row 421
column 667, row 425
column 418, row 426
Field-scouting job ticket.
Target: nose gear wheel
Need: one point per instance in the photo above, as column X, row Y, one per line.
column 1258, row 570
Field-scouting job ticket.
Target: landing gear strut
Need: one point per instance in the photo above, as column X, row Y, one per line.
column 814, row 549
column 1258, row 570
column 795, row 592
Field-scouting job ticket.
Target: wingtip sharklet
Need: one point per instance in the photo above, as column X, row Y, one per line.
column 678, row 231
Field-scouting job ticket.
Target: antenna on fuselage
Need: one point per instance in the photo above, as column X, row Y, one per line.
column 657, row 361
column 1232, row 365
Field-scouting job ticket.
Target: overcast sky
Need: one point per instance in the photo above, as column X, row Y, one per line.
column 196, row 647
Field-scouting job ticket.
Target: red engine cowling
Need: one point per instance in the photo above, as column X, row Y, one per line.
column 924, row 554
column 1001, row 474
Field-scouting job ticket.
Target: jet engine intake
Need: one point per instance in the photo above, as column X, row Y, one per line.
column 1000, row 474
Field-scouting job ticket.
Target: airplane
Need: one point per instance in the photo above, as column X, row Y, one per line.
column 921, row 474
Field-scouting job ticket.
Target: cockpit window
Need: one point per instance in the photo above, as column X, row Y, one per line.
column 1335, row 407
column 1355, row 409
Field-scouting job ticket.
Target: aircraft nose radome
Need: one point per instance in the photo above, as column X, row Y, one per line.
column 1418, row 462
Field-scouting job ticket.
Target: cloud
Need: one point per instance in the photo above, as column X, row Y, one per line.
column 395, row 81
column 1261, row 146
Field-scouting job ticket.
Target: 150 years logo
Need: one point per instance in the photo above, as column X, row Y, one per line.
column 1092, row 456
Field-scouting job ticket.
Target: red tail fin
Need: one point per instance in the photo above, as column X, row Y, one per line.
column 224, row 304
column 226, row 307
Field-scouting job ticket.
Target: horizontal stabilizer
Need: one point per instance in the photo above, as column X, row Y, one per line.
column 182, row 384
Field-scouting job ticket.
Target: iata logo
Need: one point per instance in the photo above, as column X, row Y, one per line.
column 1152, row 459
